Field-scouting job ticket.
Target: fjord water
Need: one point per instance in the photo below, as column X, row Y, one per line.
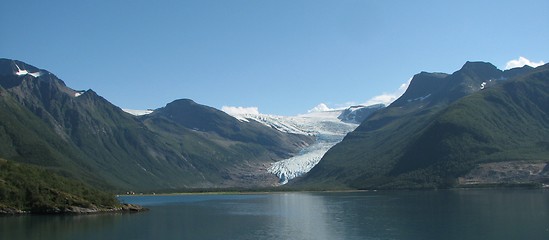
column 446, row 214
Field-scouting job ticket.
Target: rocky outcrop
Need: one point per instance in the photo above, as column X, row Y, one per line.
column 123, row 208
column 507, row 173
column 10, row 211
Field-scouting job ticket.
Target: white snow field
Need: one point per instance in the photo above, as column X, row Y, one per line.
column 137, row 112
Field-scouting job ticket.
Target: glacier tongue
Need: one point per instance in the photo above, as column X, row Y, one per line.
column 296, row 166
column 324, row 125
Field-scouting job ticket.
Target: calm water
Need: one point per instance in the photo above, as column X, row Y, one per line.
column 453, row 214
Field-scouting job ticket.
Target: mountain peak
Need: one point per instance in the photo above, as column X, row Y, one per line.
column 476, row 64
column 510, row 73
column 422, row 86
column 17, row 72
column 18, row 68
column 431, row 141
column 480, row 68
column 185, row 105
column 183, row 101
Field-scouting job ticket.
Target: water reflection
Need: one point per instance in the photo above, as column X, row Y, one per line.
column 298, row 216
column 54, row 227
column 456, row 214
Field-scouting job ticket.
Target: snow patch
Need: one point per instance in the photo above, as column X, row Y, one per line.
column 242, row 119
column 137, row 112
column 419, row 98
column 144, row 169
column 36, row 74
column 22, row 72
column 78, row 93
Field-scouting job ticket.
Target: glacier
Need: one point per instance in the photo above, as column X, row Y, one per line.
column 324, row 125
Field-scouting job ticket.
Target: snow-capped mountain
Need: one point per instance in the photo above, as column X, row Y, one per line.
column 326, row 126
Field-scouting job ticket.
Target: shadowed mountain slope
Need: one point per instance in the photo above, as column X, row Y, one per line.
column 441, row 128
column 81, row 135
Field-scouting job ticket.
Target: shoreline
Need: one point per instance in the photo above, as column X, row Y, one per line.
column 123, row 208
column 241, row 192
column 251, row 192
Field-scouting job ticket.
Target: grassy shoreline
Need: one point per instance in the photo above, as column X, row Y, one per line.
column 27, row 189
column 248, row 192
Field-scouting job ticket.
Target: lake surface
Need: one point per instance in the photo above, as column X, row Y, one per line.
column 447, row 214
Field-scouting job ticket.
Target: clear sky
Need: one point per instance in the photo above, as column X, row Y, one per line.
column 284, row 57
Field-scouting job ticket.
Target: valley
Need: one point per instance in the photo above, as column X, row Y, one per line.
column 477, row 126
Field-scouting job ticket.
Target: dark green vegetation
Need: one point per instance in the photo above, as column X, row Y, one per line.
column 85, row 137
column 31, row 189
column 441, row 128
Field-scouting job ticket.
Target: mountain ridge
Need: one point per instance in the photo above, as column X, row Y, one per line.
column 83, row 136
column 419, row 141
column 409, row 144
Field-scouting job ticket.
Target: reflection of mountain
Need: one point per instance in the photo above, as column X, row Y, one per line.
column 305, row 216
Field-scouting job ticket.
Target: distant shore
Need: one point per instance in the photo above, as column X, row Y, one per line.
column 503, row 185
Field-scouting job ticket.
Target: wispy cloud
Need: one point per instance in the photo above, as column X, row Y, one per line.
column 240, row 110
column 388, row 98
column 520, row 62
column 384, row 98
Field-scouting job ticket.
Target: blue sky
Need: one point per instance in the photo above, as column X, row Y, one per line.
column 283, row 57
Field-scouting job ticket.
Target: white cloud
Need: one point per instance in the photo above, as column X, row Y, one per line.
column 240, row 110
column 388, row 98
column 384, row 98
column 320, row 108
column 520, row 62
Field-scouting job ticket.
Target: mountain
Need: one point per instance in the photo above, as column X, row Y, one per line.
column 190, row 115
column 233, row 152
column 81, row 135
column 443, row 127
column 445, row 130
